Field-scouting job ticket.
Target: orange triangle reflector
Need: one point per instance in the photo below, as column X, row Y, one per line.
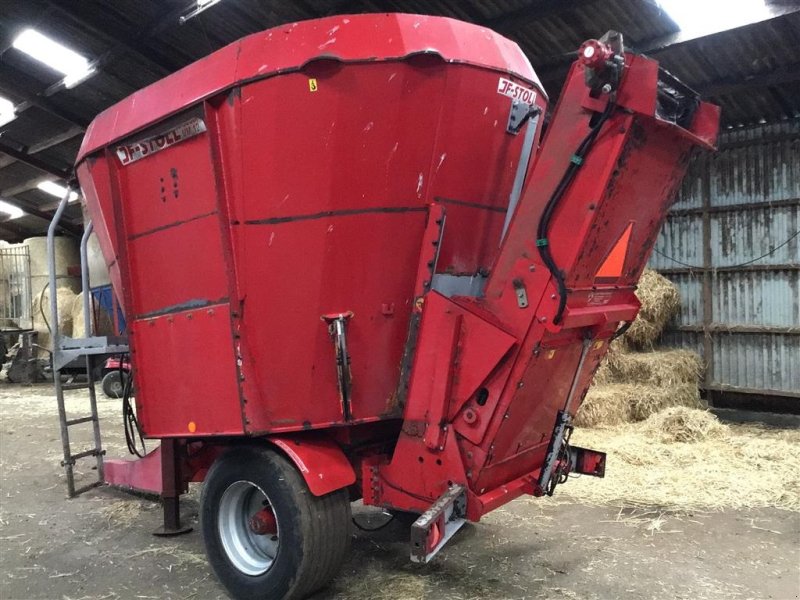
column 615, row 261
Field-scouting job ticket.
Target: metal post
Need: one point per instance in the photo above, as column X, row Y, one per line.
column 88, row 326
column 55, row 335
column 87, row 313
column 522, row 171
column 172, row 486
column 95, row 418
column 708, row 302
column 51, row 265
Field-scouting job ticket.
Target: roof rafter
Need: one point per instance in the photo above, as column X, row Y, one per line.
column 125, row 42
column 17, row 233
column 65, row 225
column 535, row 10
column 23, row 87
column 62, row 172
column 781, row 75
column 555, row 67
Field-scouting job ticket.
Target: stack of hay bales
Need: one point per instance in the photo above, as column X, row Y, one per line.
column 65, row 298
column 103, row 323
column 636, row 380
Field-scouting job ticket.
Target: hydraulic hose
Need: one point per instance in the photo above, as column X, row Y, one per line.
column 542, row 242
column 132, row 427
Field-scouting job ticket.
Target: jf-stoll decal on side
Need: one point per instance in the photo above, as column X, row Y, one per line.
column 129, row 153
column 515, row 91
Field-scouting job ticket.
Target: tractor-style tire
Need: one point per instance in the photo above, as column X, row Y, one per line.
column 312, row 537
column 114, row 384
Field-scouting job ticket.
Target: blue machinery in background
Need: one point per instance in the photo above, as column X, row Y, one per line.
column 104, row 297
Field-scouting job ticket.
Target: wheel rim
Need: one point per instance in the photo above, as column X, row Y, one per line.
column 250, row 552
column 116, row 388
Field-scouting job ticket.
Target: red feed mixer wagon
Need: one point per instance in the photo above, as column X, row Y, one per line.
column 374, row 280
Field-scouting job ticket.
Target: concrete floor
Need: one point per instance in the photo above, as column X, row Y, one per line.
column 99, row 545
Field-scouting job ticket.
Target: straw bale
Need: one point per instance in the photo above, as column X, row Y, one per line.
column 614, row 404
column 604, row 373
column 103, row 323
column 604, row 405
column 647, row 400
column 660, row 302
column 683, row 424
column 658, row 368
column 65, row 298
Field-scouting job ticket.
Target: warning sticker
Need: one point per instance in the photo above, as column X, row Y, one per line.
column 515, row 91
column 129, row 153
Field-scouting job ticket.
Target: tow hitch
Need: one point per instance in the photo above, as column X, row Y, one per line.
column 431, row 531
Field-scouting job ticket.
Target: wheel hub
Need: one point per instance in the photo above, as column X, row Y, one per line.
column 248, row 528
column 264, row 522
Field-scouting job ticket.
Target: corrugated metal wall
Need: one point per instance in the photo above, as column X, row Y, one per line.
column 741, row 314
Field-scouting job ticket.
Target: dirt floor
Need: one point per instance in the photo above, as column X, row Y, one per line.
column 572, row 547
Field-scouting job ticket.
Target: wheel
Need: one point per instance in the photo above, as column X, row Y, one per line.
column 405, row 518
column 114, row 383
column 266, row 535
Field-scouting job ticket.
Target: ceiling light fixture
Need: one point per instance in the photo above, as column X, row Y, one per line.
column 697, row 19
column 58, row 57
column 201, row 6
column 56, row 189
column 7, row 113
column 12, row 212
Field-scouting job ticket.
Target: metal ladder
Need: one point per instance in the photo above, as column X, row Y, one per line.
column 67, row 349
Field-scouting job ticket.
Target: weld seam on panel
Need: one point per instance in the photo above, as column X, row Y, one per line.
column 191, row 304
column 336, row 213
column 497, row 209
column 135, row 236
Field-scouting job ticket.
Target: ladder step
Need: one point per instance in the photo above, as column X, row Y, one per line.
column 80, row 420
column 84, row 454
column 74, row 386
column 86, row 488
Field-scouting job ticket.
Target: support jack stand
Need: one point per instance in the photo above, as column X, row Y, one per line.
column 173, row 486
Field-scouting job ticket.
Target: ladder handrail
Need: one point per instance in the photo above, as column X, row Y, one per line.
column 51, row 264
column 88, row 327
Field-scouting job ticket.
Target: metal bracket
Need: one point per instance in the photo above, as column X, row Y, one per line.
column 432, row 530
column 68, row 349
column 521, row 293
column 587, row 462
column 337, row 328
column 426, row 270
column 518, row 115
column 522, row 165
column 554, row 451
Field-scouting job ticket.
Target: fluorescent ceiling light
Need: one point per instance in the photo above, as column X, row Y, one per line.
column 201, row 6
column 73, row 79
column 69, row 63
column 710, row 16
column 7, row 113
column 56, row 189
column 12, row 212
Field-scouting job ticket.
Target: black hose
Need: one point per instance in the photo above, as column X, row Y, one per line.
column 621, row 331
column 132, row 427
column 41, row 308
column 542, row 242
